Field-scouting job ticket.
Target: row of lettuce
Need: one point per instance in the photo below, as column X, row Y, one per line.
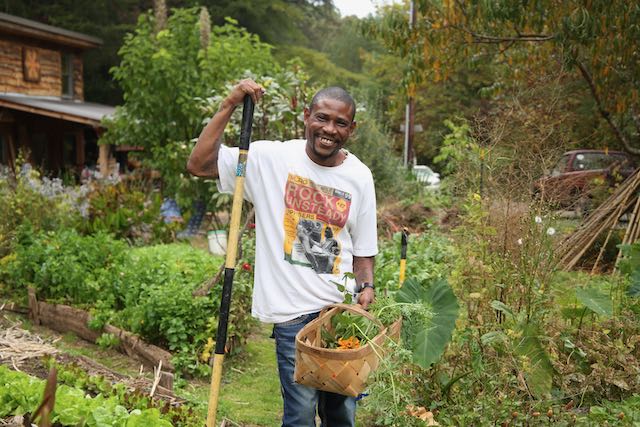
column 86, row 401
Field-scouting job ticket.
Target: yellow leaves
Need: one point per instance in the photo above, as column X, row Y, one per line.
column 437, row 65
column 421, row 413
column 206, row 353
column 9, row 258
column 411, row 90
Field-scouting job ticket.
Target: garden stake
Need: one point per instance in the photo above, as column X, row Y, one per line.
column 230, row 263
column 403, row 254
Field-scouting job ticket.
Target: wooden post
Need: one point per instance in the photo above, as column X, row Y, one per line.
column 79, row 134
column 34, row 312
column 103, row 160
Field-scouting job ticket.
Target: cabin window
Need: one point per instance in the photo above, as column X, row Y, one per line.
column 67, row 75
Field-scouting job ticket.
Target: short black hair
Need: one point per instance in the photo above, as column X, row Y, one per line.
column 337, row 93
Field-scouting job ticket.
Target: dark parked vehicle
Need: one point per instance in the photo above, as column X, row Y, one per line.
column 579, row 172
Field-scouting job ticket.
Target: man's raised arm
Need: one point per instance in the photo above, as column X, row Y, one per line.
column 203, row 160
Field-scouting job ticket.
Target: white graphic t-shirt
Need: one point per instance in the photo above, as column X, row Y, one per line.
column 311, row 221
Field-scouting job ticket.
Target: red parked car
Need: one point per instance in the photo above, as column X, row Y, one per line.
column 577, row 173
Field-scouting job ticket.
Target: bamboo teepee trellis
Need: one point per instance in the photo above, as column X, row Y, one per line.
column 604, row 218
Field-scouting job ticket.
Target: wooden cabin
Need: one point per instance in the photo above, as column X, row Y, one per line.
column 42, row 106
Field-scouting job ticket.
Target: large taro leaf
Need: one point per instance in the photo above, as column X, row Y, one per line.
column 595, row 300
column 537, row 368
column 428, row 341
column 634, row 288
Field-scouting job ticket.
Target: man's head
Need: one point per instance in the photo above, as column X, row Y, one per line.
column 329, row 122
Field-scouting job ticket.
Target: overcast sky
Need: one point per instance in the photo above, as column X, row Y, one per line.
column 360, row 8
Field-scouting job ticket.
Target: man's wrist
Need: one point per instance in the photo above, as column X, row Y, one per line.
column 366, row 285
column 227, row 104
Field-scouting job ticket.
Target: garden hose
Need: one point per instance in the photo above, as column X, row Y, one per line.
column 232, row 246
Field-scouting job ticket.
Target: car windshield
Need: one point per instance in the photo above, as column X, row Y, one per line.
column 591, row 161
column 424, row 174
column 560, row 166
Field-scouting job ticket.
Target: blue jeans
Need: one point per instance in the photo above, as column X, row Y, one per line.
column 300, row 402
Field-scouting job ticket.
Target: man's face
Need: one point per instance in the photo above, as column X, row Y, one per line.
column 327, row 128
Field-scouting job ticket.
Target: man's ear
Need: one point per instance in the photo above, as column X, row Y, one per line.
column 352, row 127
column 306, row 114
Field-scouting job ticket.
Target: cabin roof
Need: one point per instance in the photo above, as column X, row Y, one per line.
column 65, row 109
column 14, row 25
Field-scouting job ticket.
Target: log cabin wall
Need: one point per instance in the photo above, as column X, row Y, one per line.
column 49, row 60
column 41, row 70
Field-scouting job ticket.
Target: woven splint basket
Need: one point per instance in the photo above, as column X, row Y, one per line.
column 339, row 371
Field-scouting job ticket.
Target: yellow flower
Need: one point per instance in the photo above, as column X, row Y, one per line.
column 206, row 353
column 349, row 343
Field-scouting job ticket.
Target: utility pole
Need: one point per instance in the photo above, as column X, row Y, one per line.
column 409, row 121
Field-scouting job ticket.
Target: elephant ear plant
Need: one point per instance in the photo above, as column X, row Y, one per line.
column 429, row 310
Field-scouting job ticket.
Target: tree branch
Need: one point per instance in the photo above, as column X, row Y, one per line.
column 603, row 112
column 635, row 115
column 484, row 38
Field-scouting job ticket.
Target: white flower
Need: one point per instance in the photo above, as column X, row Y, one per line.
column 519, row 241
column 551, row 231
column 538, row 220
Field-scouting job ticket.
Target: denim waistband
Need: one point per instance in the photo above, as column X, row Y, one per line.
column 297, row 320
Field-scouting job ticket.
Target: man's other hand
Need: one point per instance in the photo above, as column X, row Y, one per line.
column 366, row 297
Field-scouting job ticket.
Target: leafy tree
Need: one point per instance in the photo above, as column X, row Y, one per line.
column 166, row 78
column 598, row 40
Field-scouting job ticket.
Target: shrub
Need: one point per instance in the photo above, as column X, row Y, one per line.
column 44, row 204
column 65, row 266
column 128, row 211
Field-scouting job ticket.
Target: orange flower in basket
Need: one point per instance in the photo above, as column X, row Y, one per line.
column 349, row 343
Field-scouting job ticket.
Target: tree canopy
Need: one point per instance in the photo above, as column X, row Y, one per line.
column 598, row 40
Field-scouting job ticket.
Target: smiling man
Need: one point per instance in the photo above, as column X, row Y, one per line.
column 315, row 221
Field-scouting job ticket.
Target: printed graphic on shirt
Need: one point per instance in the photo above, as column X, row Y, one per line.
column 313, row 215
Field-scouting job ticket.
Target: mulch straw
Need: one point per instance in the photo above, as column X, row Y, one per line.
column 18, row 345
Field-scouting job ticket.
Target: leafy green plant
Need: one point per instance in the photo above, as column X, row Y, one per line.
column 107, row 341
column 65, row 266
column 348, row 331
column 145, row 290
column 21, row 394
column 427, row 343
column 166, row 76
column 27, row 200
column 128, row 212
column 428, row 257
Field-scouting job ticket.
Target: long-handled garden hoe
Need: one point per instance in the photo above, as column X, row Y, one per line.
column 403, row 254
column 232, row 245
